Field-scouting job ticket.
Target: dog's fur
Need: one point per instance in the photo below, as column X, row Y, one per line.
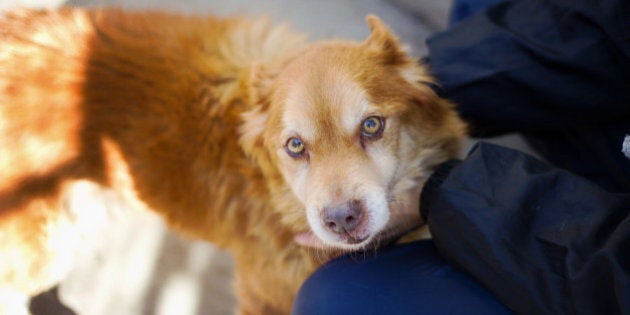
column 190, row 117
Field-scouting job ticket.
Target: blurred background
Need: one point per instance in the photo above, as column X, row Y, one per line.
column 134, row 265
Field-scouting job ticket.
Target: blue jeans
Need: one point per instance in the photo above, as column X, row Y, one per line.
column 404, row 279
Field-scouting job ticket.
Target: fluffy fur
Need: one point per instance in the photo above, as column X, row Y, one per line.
column 190, row 117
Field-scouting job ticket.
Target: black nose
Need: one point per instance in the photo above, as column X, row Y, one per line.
column 344, row 218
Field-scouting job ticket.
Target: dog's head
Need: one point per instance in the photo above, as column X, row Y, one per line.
column 348, row 130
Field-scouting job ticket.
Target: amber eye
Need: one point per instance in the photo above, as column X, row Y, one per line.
column 372, row 127
column 294, row 147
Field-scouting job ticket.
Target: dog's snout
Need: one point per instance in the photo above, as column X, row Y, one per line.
column 344, row 218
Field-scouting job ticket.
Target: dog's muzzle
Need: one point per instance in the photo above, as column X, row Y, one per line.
column 346, row 220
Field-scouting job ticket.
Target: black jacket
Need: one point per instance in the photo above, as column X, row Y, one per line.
column 557, row 71
column 544, row 239
column 541, row 239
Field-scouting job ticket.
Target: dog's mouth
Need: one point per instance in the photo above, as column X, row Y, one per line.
column 380, row 239
column 309, row 239
column 356, row 240
column 387, row 235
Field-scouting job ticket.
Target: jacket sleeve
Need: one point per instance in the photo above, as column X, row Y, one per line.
column 542, row 240
column 527, row 65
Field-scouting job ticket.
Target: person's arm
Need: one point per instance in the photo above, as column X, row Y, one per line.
column 543, row 240
column 527, row 65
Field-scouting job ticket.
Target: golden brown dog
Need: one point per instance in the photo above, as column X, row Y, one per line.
column 234, row 131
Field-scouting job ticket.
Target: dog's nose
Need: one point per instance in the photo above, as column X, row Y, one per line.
column 344, row 218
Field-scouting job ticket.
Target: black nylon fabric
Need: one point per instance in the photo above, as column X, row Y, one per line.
column 543, row 240
column 557, row 71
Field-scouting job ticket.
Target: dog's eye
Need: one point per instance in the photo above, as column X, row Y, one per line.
column 372, row 127
column 294, row 147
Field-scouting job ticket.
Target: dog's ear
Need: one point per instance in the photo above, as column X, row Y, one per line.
column 387, row 47
column 255, row 119
column 259, row 84
column 384, row 42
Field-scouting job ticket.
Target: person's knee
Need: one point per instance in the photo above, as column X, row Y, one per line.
column 405, row 279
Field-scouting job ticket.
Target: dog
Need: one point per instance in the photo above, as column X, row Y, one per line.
column 235, row 131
